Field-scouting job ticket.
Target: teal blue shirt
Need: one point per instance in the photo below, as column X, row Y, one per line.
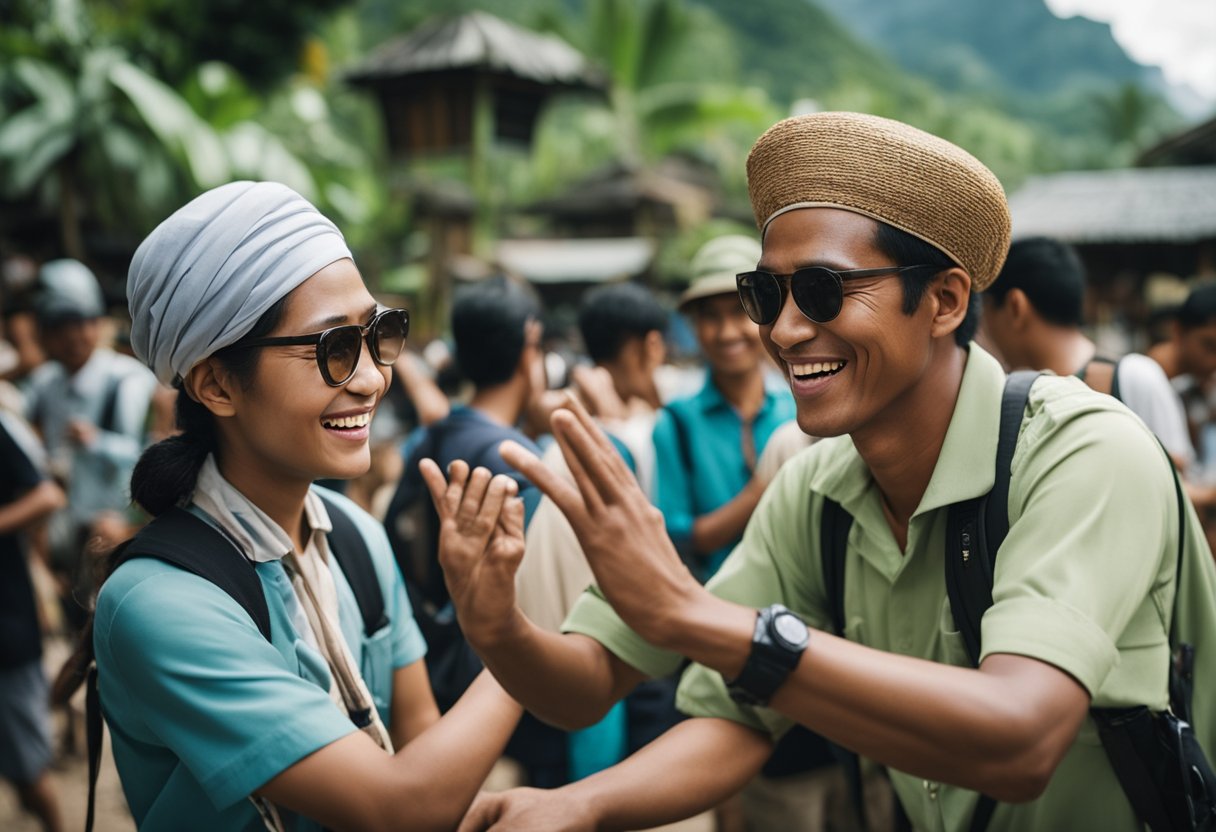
column 704, row 456
column 203, row 711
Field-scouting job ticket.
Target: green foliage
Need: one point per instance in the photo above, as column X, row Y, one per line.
column 90, row 133
column 261, row 40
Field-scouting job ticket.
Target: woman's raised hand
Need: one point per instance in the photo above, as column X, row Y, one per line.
column 481, row 543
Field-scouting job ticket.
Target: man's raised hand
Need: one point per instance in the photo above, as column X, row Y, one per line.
column 622, row 534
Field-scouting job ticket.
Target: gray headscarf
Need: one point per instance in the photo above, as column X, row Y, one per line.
column 204, row 276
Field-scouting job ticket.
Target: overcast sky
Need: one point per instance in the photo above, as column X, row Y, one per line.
column 1177, row 35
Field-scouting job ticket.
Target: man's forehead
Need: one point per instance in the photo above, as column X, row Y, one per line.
column 824, row 236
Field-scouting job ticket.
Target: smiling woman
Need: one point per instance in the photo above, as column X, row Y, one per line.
column 237, row 664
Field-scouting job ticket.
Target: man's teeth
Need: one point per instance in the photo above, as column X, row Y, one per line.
column 817, row 367
column 348, row 421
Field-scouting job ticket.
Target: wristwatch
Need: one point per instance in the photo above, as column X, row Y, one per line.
column 778, row 642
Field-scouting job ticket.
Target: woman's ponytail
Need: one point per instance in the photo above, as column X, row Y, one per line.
column 167, row 472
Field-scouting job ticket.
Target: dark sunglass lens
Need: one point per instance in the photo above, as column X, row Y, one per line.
column 760, row 294
column 389, row 335
column 817, row 293
column 340, row 351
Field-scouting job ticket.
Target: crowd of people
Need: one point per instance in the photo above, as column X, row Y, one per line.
column 321, row 576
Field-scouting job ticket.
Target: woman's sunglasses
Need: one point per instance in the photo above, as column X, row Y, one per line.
column 339, row 348
column 818, row 291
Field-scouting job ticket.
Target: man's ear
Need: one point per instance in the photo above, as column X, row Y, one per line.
column 951, row 293
column 1021, row 310
column 210, row 384
column 654, row 346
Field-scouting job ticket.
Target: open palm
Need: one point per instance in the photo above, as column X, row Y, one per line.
column 481, row 543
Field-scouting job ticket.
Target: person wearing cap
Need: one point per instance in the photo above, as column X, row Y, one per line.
column 875, row 237
column 248, row 300
column 91, row 405
column 706, row 446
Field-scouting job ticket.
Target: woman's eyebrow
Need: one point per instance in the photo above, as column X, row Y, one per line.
column 338, row 320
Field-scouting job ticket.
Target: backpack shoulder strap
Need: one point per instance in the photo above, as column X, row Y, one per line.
column 191, row 543
column 834, row 526
column 683, row 440
column 975, row 529
column 348, row 546
column 108, row 420
column 1102, row 375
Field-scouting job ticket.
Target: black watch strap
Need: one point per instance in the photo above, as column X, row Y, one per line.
column 778, row 642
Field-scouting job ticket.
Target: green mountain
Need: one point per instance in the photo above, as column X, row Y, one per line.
column 1017, row 45
column 795, row 49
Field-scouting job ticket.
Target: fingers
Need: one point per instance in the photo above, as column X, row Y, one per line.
column 482, row 814
column 557, row 489
column 511, row 520
column 435, row 483
column 587, row 485
column 583, row 442
column 593, row 430
column 474, row 494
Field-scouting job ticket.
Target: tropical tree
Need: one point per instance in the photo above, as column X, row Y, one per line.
column 90, row 134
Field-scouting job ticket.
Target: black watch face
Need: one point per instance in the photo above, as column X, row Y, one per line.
column 790, row 630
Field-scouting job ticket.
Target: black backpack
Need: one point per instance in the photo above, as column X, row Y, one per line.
column 191, row 543
column 1156, row 756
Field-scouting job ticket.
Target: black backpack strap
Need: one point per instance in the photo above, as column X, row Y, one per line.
column 996, row 508
column 834, row 526
column 191, row 543
column 975, row 530
column 93, row 731
column 108, row 420
column 348, row 546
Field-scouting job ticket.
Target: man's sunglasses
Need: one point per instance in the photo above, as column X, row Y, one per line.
column 818, row 291
column 339, row 348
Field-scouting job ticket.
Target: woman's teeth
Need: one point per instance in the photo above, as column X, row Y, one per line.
column 348, row 422
column 817, row 368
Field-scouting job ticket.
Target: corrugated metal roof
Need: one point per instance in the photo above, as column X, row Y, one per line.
column 1143, row 205
column 1195, row 146
column 576, row 261
column 478, row 41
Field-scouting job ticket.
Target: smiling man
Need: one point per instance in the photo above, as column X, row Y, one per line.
column 875, row 237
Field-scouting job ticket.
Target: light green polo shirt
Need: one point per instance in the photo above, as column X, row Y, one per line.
column 1084, row 581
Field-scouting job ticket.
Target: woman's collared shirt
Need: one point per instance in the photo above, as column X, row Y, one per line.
column 202, row 709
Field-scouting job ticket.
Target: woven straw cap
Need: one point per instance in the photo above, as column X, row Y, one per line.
column 888, row 171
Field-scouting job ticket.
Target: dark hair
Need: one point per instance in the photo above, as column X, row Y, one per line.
column 1051, row 275
column 906, row 250
column 610, row 315
column 167, row 472
column 488, row 326
column 1199, row 308
column 165, row 476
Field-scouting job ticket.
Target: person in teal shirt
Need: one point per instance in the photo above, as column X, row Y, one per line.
column 248, row 301
column 706, row 445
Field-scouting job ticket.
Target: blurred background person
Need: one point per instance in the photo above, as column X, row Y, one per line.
column 706, row 445
column 1033, row 316
column 497, row 333
column 27, row 498
column 91, row 405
